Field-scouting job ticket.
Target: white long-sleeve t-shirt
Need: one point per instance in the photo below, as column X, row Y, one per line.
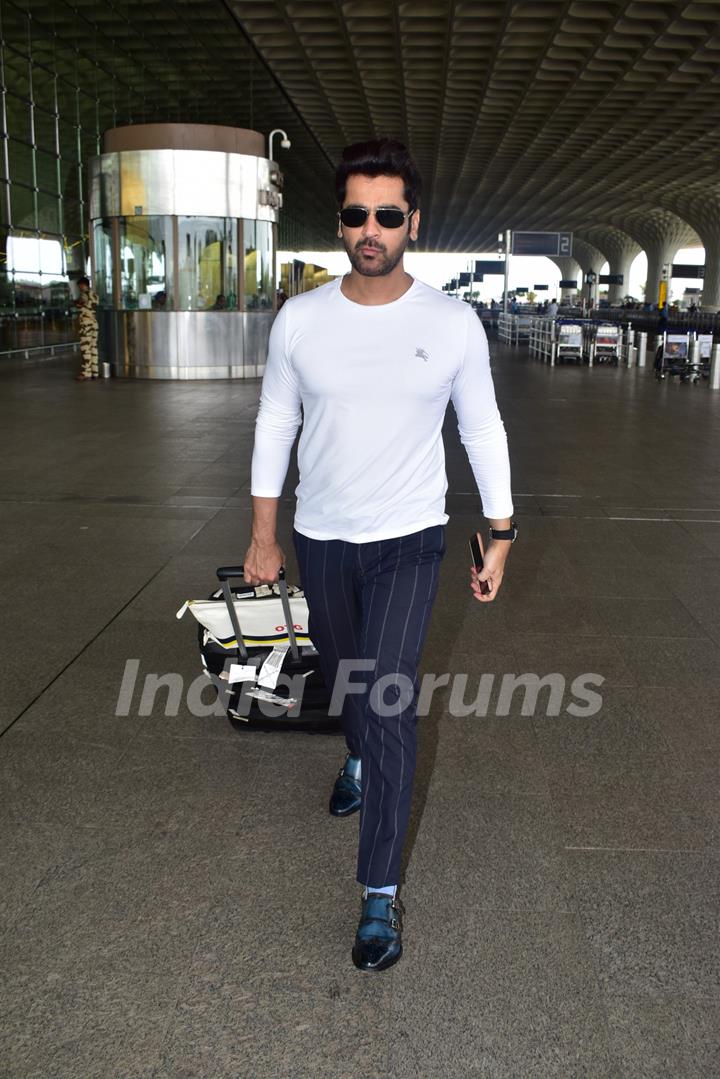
column 371, row 386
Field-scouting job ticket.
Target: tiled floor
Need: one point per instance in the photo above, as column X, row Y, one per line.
column 176, row 901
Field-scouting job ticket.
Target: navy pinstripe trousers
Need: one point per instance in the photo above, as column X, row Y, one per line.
column 372, row 601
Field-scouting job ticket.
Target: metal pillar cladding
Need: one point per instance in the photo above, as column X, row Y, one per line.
column 184, row 218
column 641, row 349
column 628, row 346
column 508, row 244
column 715, row 368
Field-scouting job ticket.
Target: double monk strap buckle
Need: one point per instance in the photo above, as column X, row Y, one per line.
column 347, row 793
column 378, row 942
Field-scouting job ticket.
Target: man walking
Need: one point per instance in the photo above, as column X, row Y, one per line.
column 373, row 360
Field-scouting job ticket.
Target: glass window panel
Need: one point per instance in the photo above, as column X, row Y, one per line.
column 17, row 73
column 44, row 130
column 23, row 255
column 72, row 217
column 67, row 102
column 7, row 298
column 70, row 177
column 48, row 218
column 207, row 263
column 18, row 118
column 4, row 216
column 46, row 170
column 67, row 132
column 146, row 262
column 251, row 265
column 21, row 163
column 75, row 254
column 103, row 262
column 264, row 233
column 90, row 143
column 230, row 281
column 22, row 202
column 259, row 269
column 43, row 88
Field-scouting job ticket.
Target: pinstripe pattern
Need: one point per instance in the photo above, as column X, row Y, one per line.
column 374, row 601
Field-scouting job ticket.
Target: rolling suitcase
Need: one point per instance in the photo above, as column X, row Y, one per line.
column 255, row 648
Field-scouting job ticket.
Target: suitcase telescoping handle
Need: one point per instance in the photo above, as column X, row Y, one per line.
column 225, row 574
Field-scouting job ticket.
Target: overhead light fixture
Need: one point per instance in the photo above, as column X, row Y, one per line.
column 284, row 142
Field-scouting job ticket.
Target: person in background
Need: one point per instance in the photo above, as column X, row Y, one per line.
column 220, row 303
column 87, row 303
column 552, row 309
column 662, row 323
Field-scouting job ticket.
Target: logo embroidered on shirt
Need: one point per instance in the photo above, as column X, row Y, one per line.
column 422, row 354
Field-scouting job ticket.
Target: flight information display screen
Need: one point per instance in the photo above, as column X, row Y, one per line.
column 541, row 243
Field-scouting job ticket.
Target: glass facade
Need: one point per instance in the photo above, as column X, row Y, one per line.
column 53, row 125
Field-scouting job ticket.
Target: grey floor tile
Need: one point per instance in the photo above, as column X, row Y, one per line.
column 549, row 613
column 574, row 658
column 106, row 1026
column 650, row 918
column 330, row 1027
column 642, row 804
column 657, row 1036
column 689, row 720
column 642, row 617
column 692, row 663
column 493, row 851
column 501, row 994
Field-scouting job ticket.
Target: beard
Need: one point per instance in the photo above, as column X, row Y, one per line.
column 381, row 265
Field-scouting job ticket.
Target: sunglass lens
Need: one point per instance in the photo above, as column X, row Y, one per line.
column 390, row 219
column 353, row 217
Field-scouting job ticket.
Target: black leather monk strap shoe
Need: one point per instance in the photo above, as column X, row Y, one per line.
column 345, row 797
column 378, row 942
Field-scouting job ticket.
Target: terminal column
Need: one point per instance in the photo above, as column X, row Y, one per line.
column 620, row 250
column 711, row 283
column 570, row 270
column 588, row 257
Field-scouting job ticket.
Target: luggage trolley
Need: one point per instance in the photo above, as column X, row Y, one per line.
column 569, row 342
column 705, row 342
column 605, row 343
column 255, row 649
column 672, row 357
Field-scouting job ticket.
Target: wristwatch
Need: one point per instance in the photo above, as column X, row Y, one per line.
column 504, row 533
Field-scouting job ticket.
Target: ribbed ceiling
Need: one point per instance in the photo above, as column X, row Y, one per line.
column 550, row 114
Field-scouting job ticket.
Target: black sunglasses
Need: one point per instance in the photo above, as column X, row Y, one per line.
column 388, row 217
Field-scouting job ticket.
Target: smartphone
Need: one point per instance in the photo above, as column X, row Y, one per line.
column 477, row 551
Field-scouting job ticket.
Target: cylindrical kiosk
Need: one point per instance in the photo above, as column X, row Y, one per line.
column 183, row 220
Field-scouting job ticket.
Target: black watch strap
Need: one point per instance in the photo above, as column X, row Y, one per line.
column 504, row 533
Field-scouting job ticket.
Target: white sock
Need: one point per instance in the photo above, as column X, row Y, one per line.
column 387, row 889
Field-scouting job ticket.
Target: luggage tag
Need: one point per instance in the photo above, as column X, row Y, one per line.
column 270, row 670
column 241, row 672
column 265, row 695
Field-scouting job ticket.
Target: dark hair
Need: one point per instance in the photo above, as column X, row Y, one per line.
column 379, row 157
column 84, row 281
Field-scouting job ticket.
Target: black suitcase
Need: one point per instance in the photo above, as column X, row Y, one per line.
column 300, row 664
